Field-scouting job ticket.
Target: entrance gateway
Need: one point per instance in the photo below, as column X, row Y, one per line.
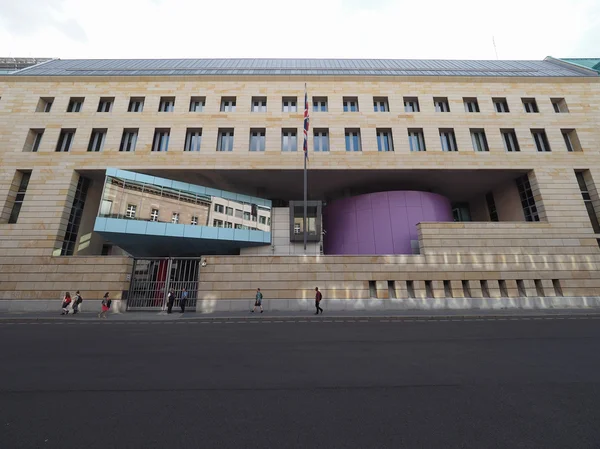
column 152, row 279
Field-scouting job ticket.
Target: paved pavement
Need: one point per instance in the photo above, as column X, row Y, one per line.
column 521, row 383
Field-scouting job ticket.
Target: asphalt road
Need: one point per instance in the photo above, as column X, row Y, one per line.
column 433, row 384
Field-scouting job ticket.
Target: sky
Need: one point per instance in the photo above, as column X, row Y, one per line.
column 421, row 29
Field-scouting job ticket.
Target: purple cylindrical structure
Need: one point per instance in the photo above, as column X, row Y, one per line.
column 380, row 223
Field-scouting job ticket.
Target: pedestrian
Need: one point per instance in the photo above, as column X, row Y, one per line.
column 318, row 298
column 170, row 300
column 76, row 302
column 65, row 304
column 258, row 301
column 106, row 302
column 183, row 299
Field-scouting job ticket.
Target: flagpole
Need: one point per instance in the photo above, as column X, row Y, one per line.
column 305, row 171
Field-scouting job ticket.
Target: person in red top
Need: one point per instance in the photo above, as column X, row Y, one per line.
column 65, row 304
column 318, row 298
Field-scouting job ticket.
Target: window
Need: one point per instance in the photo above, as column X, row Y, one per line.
column 225, row 140
column 228, row 224
column 44, row 104
column 193, row 139
column 131, row 210
column 441, row 104
column 106, row 104
column 491, row 205
column 297, row 228
column 262, row 219
column 479, row 140
column 289, row 104
column 259, row 104
column 194, row 220
column 68, row 244
column 238, row 226
column 161, row 140
column 65, row 139
column 246, row 215
column 20, row 197
column 239, row 213
column 587, row 199
column 321, row 140
column 471, row 104
column 320, row 104
column 509, row 138
column 527, row 199
column 559, row 105
column 75, row 104
column 289, row 140
column 219, row 208
column 257, row 139
column 411, row 104
column 167, row 104
column 229, row 210
column 33, row 141
column 353, row 140
column 197, row 104
column 500, row 105
column 571, row 139
column 136, row 104
column 97, row 140
column 530, row 105
column 380, row 104
column 154, row 215
column 175, row 218
column 541, row 141
column 416, row 140
column 384, row 140
column 350, row 104
column 448, row 140
column 228, row 104
column 218, row 223
column 128, row 140
column 461, row 212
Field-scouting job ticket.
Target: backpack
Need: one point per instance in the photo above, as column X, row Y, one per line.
column 79, row 299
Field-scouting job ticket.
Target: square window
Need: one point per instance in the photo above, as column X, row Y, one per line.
column 65, row 140
column 194, row 220
column 530, row 105
column 289, row 140
column 219, row 208
column 136, row 104
column 131, row 211
column 161, row 139
column 257, row 139
column 154, row 215
column 167, row 104
column 128, row 140
column 197, row 104
column 97, row 140
column 380, row 104
column 479, row 140
column 228, row 104
column 350, row 104
column 559, row 105
column 33, row 141
column 411, row 104
column 193, row 139
column 259, row 104
column 320, row 104
column 321, row 140
column 384, row 140
column 225, row 139
column 541, row 141
column 75, row 104
column 509, row 138
column 353, row 143
column 229, row 211
column 416, row 140
column 441, row 104
column 448, row 140
column 500, row 105
column 289, row 104
column 44, row 104
column 471, row 104
column 105, row 104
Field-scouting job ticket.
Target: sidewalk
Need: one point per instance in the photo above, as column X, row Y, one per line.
column 283, row 315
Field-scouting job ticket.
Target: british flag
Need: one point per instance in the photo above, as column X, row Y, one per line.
column 306, row 120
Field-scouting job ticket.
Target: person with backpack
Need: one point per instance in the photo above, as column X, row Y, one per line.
column 65, row 304
column 258, row 301
column 76, row 302
column 106, row 302
column 318, row 298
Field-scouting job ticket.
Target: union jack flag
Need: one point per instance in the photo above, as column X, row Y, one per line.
column 306, row 120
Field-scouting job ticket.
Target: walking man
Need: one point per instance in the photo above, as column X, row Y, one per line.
column 170, row 300
column 318, row 298
column 258, row 301
column 78, row 300
column 183, row 299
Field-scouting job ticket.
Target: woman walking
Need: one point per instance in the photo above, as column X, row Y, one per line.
column 65, row 304
column 105, row 305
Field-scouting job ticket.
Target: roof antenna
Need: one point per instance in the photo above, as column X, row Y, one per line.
column 495, row 49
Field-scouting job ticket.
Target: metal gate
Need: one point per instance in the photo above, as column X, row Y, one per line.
column 152, row 279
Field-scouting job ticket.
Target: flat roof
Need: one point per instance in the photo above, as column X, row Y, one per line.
column 302, row 67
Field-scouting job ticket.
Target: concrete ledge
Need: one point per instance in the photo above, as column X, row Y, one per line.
column 52, row 305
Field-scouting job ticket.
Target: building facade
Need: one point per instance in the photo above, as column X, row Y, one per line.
column 427, row 180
